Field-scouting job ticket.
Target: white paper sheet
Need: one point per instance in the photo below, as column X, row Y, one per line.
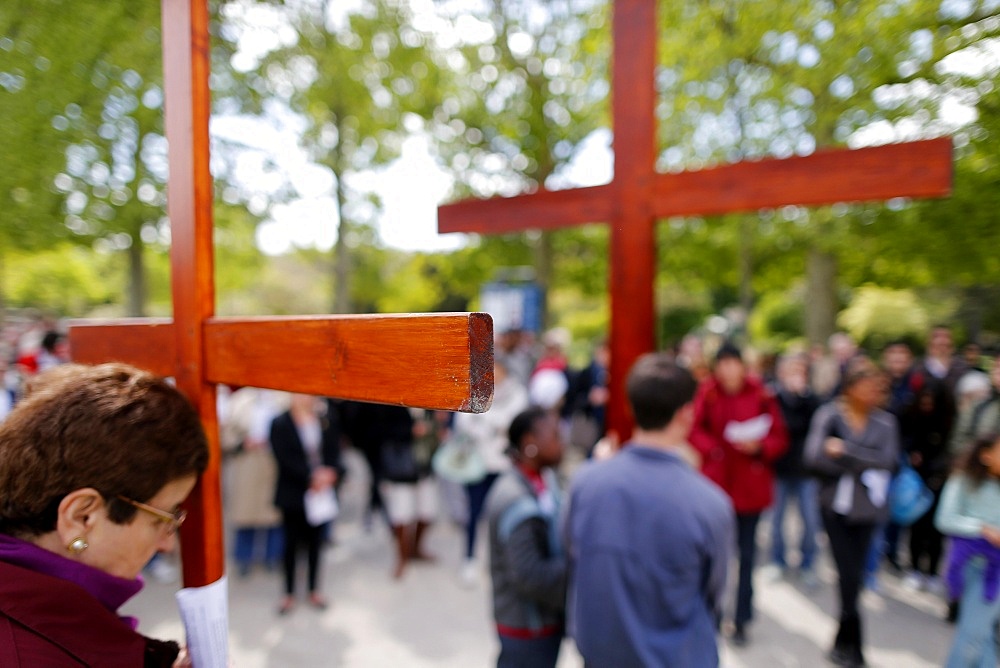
column 754, row 429
column 321, row 506
column 843, row 499
column 877, row 482
column 205, row 613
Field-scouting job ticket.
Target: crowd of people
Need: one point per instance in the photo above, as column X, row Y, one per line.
column 821, row 434
column 627, row 550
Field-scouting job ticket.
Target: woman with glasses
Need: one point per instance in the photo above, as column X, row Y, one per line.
column 94, row 465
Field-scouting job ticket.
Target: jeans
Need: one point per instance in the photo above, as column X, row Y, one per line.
column 805, row 491
column 533, row 653
column 746, row 534
column 477, row 498
column 975, row 644
column 246, row 546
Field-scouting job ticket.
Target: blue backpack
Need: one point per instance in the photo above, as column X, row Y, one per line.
column 909, row 497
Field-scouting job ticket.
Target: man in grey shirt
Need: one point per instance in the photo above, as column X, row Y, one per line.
column 649, row 538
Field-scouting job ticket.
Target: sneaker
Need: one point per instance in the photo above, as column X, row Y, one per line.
column 739, row 637
column 469, row 574
column 809, row 579
column 914, row 581
column 934, row 584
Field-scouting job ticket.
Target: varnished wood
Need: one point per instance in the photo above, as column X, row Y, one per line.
column 543, row 210
column 632, row 270
column 380, row 358
column 148, row 343
column 437, row 361
column 639, row 195
column 442, row 361
column 913, row 169
column 189, row 206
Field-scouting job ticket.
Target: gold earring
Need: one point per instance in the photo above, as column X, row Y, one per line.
column 78, row 545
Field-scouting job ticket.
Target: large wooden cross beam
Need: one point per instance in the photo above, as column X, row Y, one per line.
column 441, row 361
column 639, row 195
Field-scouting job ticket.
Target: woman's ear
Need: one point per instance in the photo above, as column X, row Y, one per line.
column 78, row 513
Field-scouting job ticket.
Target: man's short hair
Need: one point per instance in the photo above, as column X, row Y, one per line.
column 656, row 389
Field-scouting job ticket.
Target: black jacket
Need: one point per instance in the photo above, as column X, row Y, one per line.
column 294, row 472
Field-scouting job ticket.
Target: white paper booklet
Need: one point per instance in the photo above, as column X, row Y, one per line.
column 754, row 429
column 205, row 613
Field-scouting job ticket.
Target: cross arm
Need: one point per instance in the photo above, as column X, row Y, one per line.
column 440, row 361
column 912, row 169
column 542, row 210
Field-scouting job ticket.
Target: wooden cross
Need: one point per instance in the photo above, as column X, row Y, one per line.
column 639, row 195
column 439, row 361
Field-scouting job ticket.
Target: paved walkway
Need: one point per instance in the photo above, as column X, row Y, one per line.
column 427, row 619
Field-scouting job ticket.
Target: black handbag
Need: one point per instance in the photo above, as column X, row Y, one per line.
column 399, row 462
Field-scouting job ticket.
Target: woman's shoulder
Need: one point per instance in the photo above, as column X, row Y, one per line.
column 53, row 633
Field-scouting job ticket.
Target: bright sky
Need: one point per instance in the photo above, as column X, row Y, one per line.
column 411, row 187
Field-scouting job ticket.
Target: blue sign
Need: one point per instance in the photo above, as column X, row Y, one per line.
column 513, row 306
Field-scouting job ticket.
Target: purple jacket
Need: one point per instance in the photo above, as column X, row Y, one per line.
column 962, row 551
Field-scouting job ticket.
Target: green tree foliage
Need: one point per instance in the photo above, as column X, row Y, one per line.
column 358, row 78
column 751, row 79
column 531, row 83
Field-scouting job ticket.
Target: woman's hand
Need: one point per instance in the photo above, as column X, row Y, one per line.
column 834, row 447
column 748, row 447
column 992, row 534
column 183, row 659
column 323, row 477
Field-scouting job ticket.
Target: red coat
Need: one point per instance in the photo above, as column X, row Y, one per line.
column 748, row 479
column 47, row 621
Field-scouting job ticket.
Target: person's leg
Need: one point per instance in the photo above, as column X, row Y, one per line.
column 933, row 541
column 476, row 494
column 426, row 511
column 275, row 547
column 874, row 557
column 534, row 653
column 809, row 510
column 746, row 526
column 293, row 526
column 400, row 504
column 917, row 531
column 849, row 544
column 891, row 545
column 974, row 645
column 315, row 537
column 783, row 489
column 243, row 544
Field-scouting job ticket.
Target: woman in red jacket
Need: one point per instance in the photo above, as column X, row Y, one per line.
column 94, row 464
column 739, row 433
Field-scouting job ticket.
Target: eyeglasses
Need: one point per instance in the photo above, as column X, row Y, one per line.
column 173, row 520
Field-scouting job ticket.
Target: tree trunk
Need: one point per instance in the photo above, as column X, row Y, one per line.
column 136, row 306
column 341, row 253
column 544, row 260
column 341, row 261
column 3, row 290
column 746, row 264
column 821, row 295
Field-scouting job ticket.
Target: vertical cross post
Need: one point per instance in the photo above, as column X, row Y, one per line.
column 638, row 195
column 186, row 65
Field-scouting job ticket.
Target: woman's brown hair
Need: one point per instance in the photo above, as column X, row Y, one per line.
column 112, row 427
column 971, row 461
